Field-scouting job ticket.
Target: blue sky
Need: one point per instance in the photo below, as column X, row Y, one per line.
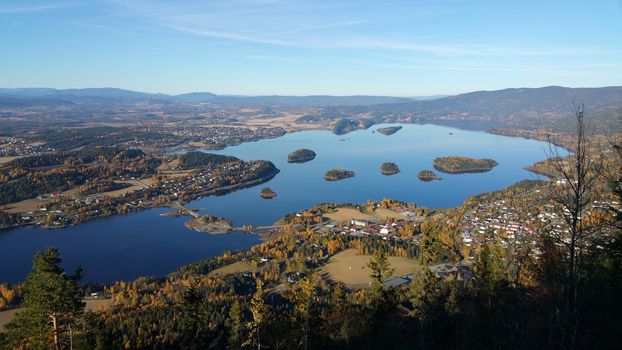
column 295, row 47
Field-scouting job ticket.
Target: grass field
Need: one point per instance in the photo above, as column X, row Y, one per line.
column 287, row 121
column 174, row 164
column 136, row 185
column 388, row 213
column 351, row 268
column 236, row 267
column 4, row 160
column 24, row 206
column 91, row 305
column 347, row 214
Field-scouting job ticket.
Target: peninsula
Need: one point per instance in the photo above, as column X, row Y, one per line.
column 459, row 165
column 389, row 168
column 338, row 174
column 302, row 155
column 210, row 224
column 50, row 190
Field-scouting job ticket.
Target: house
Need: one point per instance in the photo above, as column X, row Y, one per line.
column 398, row 281
column 358, row 222
column 460, row 271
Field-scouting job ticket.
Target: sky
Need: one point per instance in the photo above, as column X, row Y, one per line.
column 296, row 47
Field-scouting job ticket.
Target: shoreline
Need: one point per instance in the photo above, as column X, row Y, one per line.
column 217, row 192
column 507, row 132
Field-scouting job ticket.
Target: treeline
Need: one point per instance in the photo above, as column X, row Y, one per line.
column 86, row 155
column 68, row 139
column 496, row 310
column 197, row 159
column 70, row 169
column 100, row 186
column 32, row 185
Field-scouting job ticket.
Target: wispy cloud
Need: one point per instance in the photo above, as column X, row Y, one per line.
column 317, row 25
column 30, row 9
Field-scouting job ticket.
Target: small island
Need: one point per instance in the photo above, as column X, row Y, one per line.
column 428, row 175
column 338, row 174
column 459, row 165
column 390, row 130
column 301, row 156
column 389, row 168
column 267, row 193
column 210, row 224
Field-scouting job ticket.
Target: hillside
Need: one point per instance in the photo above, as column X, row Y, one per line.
column 529, row 108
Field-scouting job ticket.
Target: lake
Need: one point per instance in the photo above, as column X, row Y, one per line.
column 146, row 243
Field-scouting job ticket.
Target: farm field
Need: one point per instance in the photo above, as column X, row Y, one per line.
column 351, row 268
column 347, row 214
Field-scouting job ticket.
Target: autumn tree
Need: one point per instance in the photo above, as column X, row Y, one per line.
column 305, row 304
column 259, row 310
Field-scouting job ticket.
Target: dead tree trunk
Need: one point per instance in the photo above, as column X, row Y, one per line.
column 579, row 174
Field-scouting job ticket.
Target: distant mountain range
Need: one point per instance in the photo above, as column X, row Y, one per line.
column 93, row 96
column 546, row 107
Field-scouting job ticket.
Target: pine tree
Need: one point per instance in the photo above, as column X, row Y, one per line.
column 490, row 269
column 380, row 271
column 425, row 297
column 52, row 302
column 194, row 318
column 235, row 325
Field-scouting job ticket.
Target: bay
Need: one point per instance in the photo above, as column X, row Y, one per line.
column 145, row 243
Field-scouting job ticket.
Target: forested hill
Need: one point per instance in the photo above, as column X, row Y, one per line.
column 549, row 99
column 528, row 108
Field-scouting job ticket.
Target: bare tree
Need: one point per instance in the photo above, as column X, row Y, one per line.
column 578, row 178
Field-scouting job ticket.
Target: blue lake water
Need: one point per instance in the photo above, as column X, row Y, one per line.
column 145, row 243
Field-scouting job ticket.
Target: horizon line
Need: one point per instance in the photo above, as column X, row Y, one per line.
column 303, row 95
